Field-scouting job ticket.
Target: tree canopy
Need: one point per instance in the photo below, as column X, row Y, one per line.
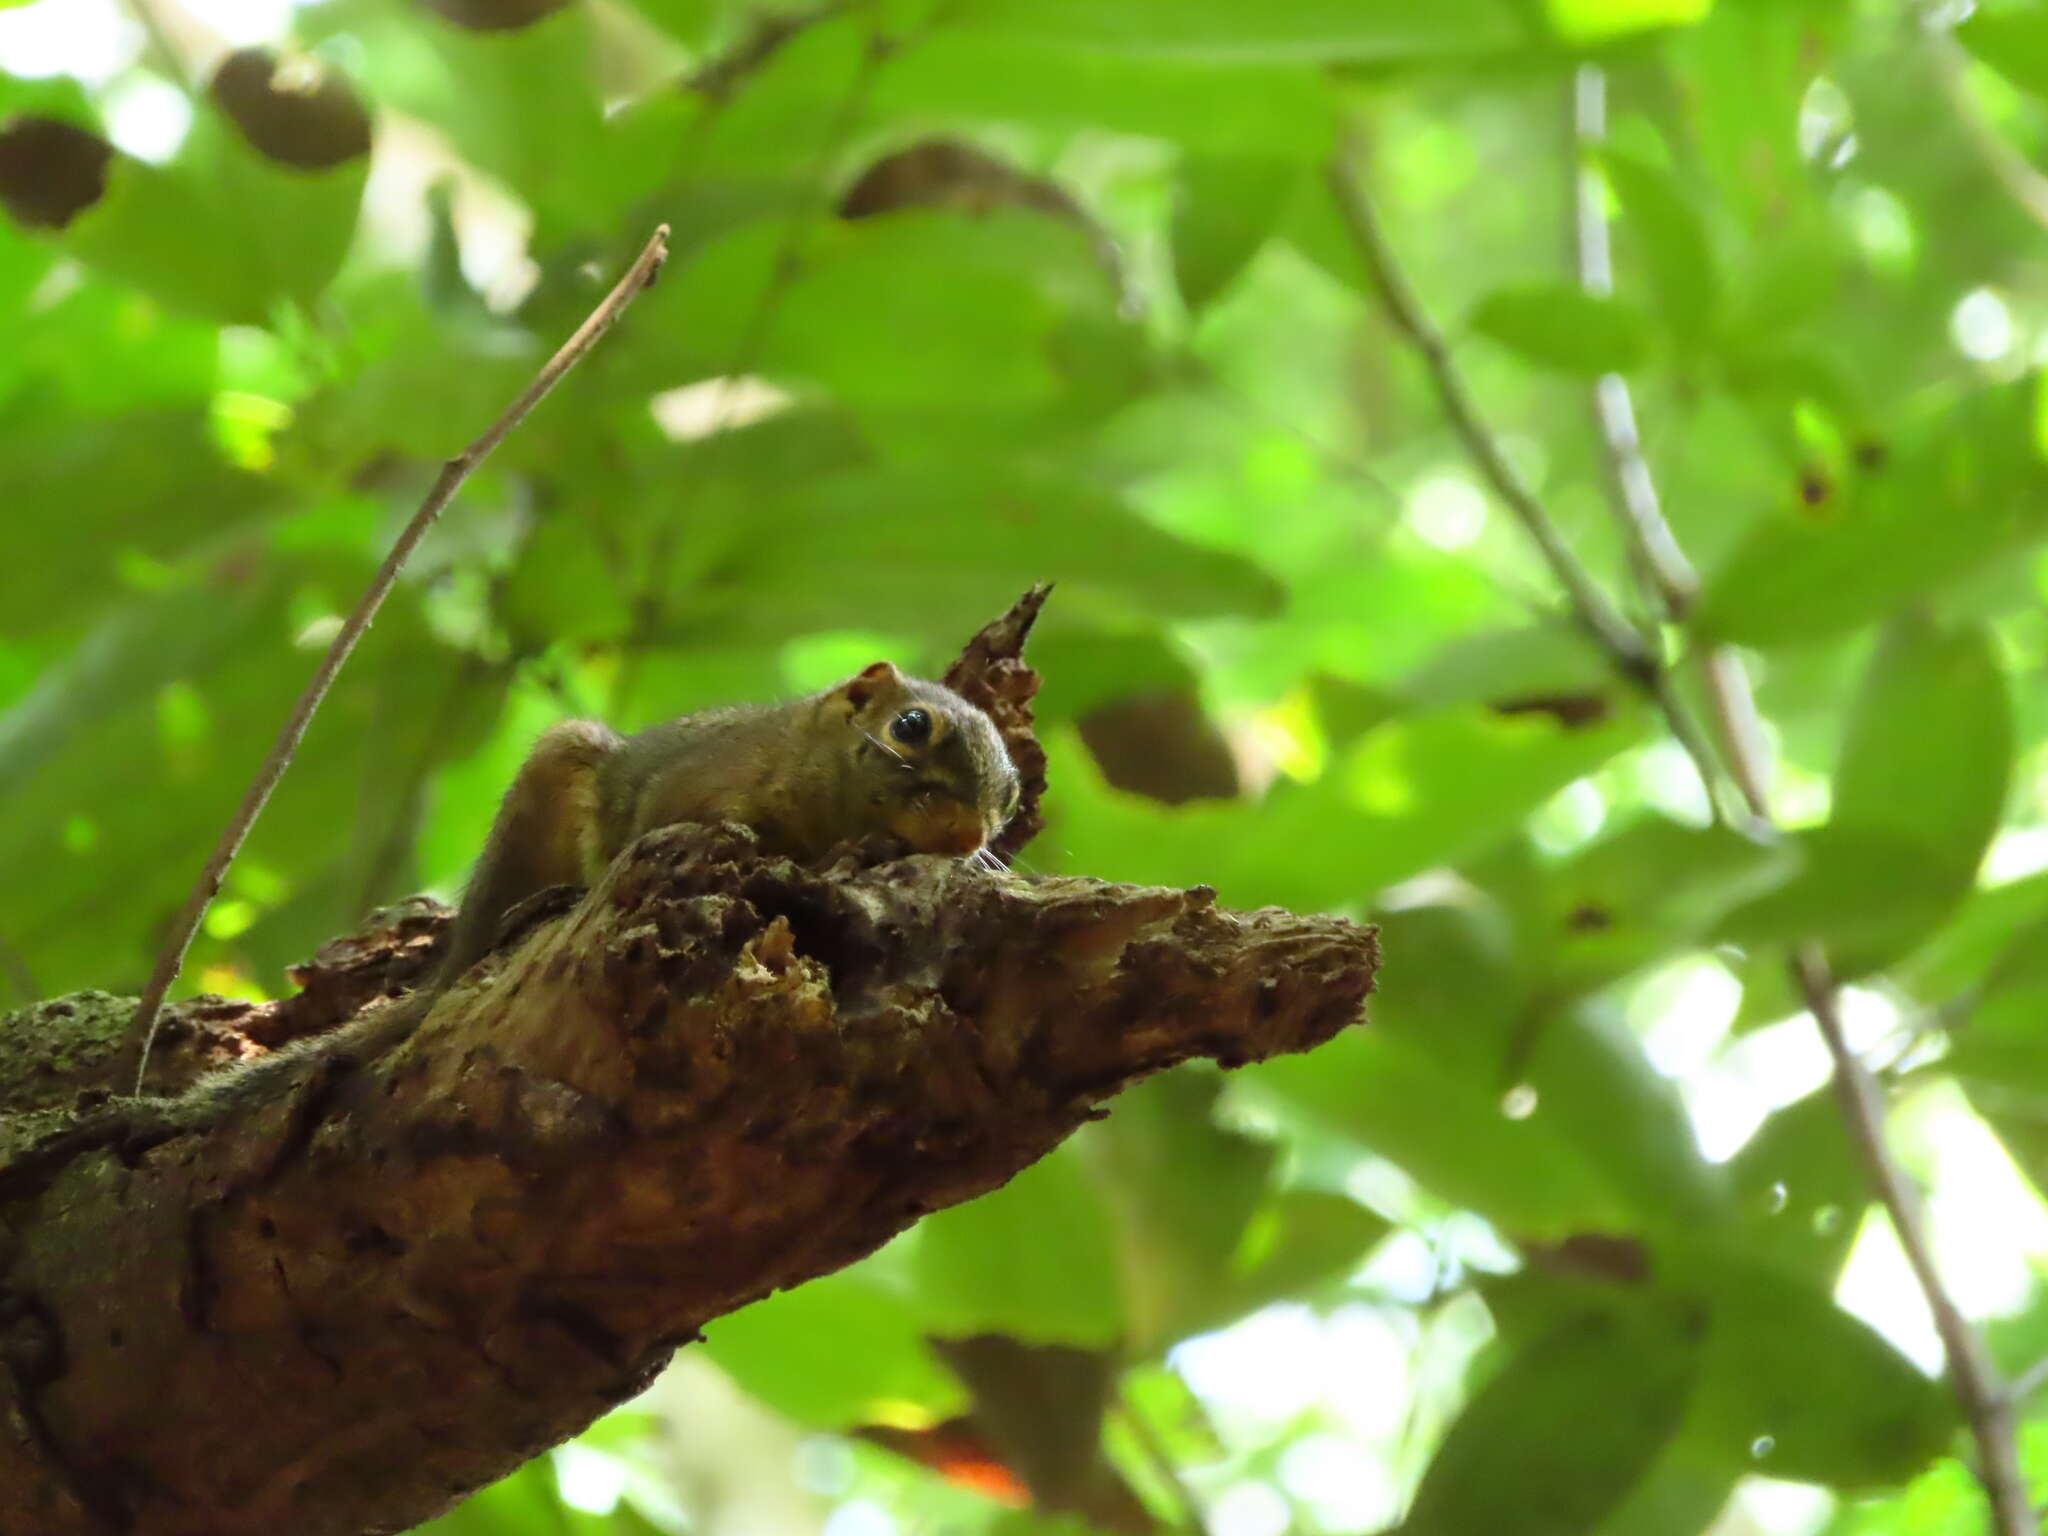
column 1570, row 1237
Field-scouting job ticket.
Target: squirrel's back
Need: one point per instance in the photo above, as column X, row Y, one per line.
column 880, row 754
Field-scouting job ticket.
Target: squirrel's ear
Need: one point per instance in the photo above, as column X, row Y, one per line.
column 860, row 689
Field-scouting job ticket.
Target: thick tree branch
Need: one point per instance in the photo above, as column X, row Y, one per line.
column 458, row 469
column 404, row 1250
column 1986, row 1404
column 411, row 1257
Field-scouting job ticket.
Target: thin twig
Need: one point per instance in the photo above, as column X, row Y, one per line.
column 142, row 1032
column 1662, row 563
column 1986, row 1404
column 1626, row 649
column 1741, row 728
column 1590, row 605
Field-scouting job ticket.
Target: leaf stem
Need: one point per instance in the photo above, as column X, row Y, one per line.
column 142, row 1032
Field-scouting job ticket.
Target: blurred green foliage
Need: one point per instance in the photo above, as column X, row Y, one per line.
column 971, row 293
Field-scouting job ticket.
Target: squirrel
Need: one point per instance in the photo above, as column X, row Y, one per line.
column 878, row 755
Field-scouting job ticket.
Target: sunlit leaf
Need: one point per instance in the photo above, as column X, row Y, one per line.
column 1561, row 327
column 1618, row 1379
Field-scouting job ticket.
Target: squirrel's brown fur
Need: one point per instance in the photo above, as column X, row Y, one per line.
column 806, row 775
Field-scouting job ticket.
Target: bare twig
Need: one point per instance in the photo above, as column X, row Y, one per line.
column 1662, row 563
column 1741, row 728
column 142, row 1032
column 1986, row 1404
column 1627, row 650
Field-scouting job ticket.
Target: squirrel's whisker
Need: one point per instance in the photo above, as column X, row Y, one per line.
column 901, row 760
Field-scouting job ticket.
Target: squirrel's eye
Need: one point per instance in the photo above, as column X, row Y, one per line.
column 913, row 727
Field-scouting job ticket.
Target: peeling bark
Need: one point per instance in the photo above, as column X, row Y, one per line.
column 333, row 1291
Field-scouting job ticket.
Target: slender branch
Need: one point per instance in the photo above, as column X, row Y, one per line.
column 1590, row 605
column 1741, row 728
column 1661, row 565
column 1634, row 494
column 142, row 1033
column 1985, row 1402
column 1627, row 650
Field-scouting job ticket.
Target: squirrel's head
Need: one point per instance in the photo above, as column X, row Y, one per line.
column 932, row 766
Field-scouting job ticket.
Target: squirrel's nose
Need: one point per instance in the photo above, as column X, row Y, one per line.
column 940, row 825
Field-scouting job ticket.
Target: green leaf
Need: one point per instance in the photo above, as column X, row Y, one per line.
column 1969, row 947
column 1226, row 211
column 1555, row 1442
column 1929, row 744
column 1661, row 222
column 1807, row 573
column 1319, row 31
column 1215, row 107
column 1183, row 1190
column 1446, row 1128
column 1922, row 781
column 2012, row 39
column 523, row 105
column 1509, row 666
column 1866, row 894
column 1414, row 792
column 2000, row 1055
column 1555, row 325
column 1593, row 21
column 1035, row 1260
column 789, row 1351
column 221, row 232
column 1801, row 1390
column 1801, row 1189
column 157, row 489
column 1643, row 892
column 966, row 537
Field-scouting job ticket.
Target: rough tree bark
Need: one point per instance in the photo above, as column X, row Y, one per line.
column 335, row 1291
